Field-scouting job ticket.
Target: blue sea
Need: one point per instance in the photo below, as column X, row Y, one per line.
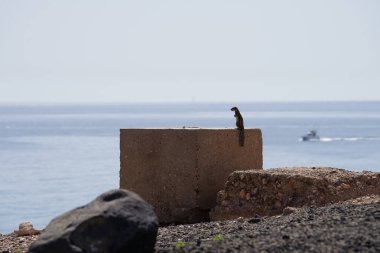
column 56, row 157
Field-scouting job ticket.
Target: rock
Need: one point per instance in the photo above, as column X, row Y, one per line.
column 26, row 229
column 242, row 194
column 255, row 219
column 117, row 221
column 225, row 203
column 272, row 190
column 288, row 210
column 240, row 219
column 277, row 204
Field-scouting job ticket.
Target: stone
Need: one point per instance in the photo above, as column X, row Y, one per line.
column 297, row 187
column 288, row 210
column 117, row 221
column 225, row 203
column 255, row 219
column 26, row 229
column 242, row 194
column 277, row 204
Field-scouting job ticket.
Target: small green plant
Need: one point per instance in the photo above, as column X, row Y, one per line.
column 218, row 237
column 17, row 250
column 180, row 245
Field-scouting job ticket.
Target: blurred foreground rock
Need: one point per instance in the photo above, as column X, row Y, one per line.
column 117, row 221
column 269, row 192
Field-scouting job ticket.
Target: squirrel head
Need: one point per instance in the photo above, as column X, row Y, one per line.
column 234, row 109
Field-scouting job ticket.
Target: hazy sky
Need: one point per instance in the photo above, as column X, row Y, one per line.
column 194, row 50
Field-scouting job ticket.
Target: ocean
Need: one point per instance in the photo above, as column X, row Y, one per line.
column 57, row 157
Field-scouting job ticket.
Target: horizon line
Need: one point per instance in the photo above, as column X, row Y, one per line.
column 180, row 102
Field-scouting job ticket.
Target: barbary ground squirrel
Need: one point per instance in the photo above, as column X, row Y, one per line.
column 239, row 124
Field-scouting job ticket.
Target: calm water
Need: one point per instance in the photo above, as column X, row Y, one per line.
column 54, row 158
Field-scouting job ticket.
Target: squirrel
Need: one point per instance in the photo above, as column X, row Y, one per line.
column 239, row 125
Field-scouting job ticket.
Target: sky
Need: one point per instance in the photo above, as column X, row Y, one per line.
column 91, row 51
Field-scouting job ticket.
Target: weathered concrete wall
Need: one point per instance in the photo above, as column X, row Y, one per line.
column 268, row 192
column 180, row 171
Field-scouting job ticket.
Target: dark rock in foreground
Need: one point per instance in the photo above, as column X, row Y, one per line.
column 117, row 221
column 334, row 228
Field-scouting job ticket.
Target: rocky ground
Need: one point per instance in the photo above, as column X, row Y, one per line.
column 350, row 226
column 11, row 243
column 335, row 228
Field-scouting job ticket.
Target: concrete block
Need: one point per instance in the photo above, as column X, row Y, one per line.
column 180, row 171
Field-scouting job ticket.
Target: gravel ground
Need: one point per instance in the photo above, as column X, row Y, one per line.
column 347, row 227
column 335, row 228
column 11, row 243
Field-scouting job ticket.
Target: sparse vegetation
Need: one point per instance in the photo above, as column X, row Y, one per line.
column 180, row 244
column 218, row 237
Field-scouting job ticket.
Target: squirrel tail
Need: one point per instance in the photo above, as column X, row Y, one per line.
column 241, row 137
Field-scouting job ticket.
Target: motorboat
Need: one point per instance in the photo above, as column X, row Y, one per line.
column 311, row 136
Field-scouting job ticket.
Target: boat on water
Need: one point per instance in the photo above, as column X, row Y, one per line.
column 311, row 136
